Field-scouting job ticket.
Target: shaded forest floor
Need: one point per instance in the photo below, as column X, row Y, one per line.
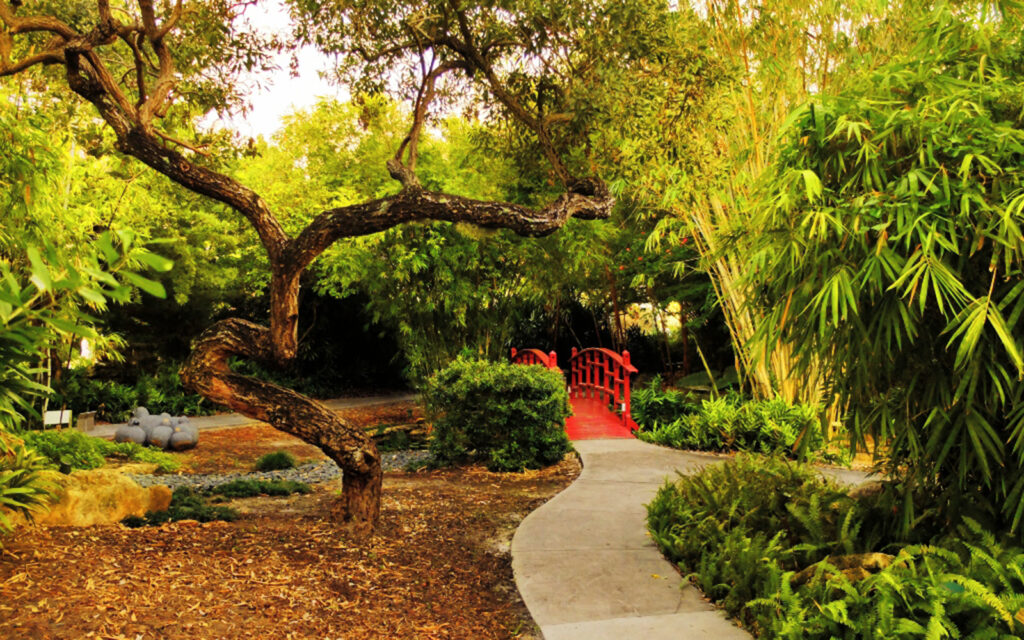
column 438, row 566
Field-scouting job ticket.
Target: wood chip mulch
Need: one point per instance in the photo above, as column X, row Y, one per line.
column 437, row 567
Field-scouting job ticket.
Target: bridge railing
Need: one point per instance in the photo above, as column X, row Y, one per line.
column 595, row 373
column 535, row 356
column 604, row 375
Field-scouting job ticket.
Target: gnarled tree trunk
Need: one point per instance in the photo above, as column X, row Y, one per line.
column 207, row 372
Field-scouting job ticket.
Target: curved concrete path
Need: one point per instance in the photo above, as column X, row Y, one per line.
column 587, row 568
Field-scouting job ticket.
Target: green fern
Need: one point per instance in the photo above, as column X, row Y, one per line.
column 744, row 530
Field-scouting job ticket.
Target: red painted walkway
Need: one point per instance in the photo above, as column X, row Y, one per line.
column 593, row 421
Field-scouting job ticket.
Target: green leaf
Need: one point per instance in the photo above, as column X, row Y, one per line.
column 812, row 185
column 153, row 261
column 40, row 272
column 151, row 287
column 106, row 247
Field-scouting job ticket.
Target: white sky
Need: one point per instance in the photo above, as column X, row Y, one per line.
column 281, row 93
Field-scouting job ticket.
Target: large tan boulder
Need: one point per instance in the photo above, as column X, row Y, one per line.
column 99, row 496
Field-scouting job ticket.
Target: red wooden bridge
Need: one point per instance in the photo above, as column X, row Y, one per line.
column 598, row 391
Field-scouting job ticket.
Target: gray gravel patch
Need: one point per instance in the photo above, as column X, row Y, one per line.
column 310, row 473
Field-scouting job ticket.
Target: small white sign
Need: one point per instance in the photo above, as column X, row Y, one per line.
column 56, row 417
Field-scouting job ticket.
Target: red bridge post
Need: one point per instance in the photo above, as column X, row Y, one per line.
column 627, row 416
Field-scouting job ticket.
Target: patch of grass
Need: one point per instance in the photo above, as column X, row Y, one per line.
column 186, row 504
column 276, row 461
column 165, row 462
column 250, row 487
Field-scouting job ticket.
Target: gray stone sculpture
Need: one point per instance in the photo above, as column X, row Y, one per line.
column 161, row 431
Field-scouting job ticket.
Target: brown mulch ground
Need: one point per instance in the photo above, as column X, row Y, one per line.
column 437, row 567
column 236, row 449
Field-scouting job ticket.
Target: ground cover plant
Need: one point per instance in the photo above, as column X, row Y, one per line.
column 510, row 416
column 189, row 504
column 728, row 423
column 656, row 403
column 186, row 504
column 70, row 449
column 275, row 461
column 793, row 555
column 249, row 487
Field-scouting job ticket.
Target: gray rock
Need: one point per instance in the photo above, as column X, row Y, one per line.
column 182, row 439
column 140, row 412
column 130, row 433
column 149, row 423
column 160, row 436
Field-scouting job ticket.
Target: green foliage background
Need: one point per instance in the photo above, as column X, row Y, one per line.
column 890, row 243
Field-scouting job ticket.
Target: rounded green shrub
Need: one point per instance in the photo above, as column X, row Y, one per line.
column 510, row 416
column 275, row 461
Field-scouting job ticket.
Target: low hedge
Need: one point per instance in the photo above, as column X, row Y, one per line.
column 510, row 416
